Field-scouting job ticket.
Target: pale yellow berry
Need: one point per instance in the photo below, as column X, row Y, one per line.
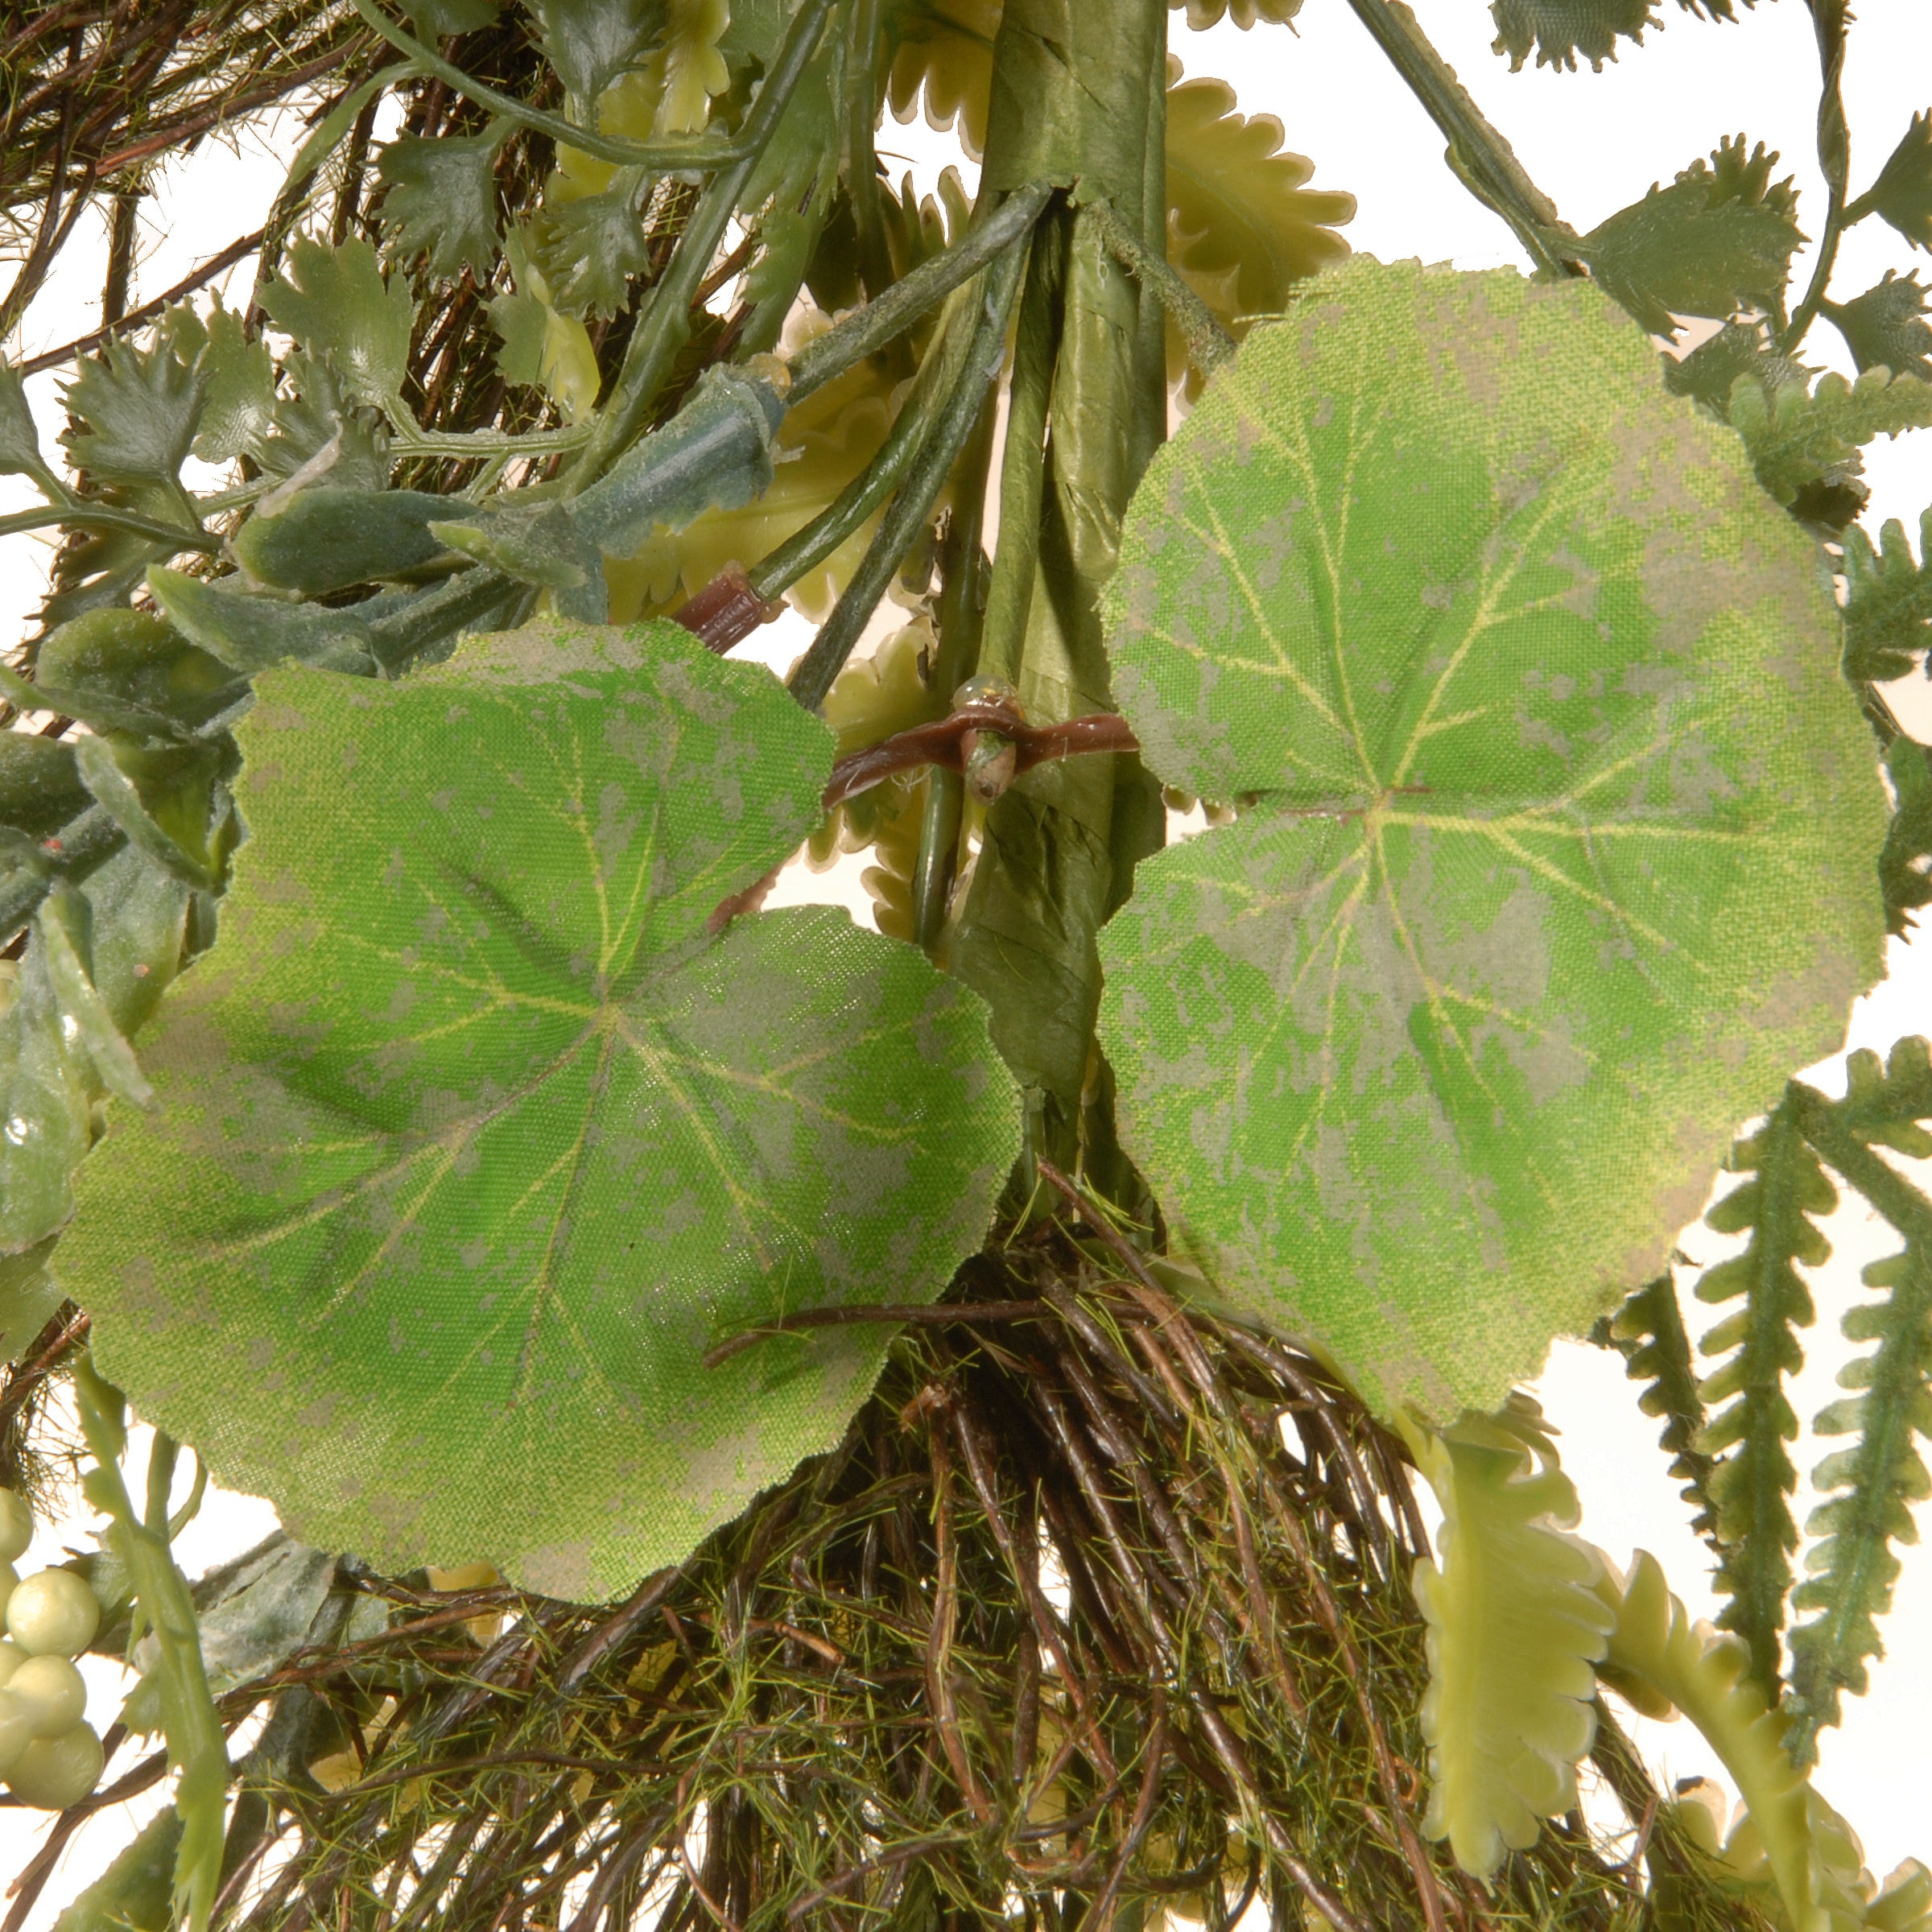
column 53, row 1691
column 16, row 1729
column 53, row 1772
column 53, row 1612
column 12, row 1657
column 16, row 1525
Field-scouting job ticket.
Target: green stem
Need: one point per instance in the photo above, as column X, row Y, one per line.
column 910, row 508
column 1833, row 160
column 889, row 315
column 665, row 323
column 1209, row 345
column 1023, row 463
column 1478, row 155
column 81, row 514
column 861, row 161
column 415, row 441
column 659, row 157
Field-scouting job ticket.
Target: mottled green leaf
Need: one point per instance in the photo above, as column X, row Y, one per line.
column 1719, row 239
column 334, row 302
column 1903, row 192
column 1561, row 856
column 134, row 412
column 589, row 43
column 1885, row 328
column 473, row 1137
column 441, row 198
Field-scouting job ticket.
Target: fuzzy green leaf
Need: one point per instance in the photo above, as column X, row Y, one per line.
column 1885, row 328
column 473, row 1139
column 1239, row 214
column 1888, row 602
column 1560, row 856
column 325, row 540
column 1805, row 444
column 40, row 788
column 134, row 412
column 1904, row 866
column 335, row 304
column 1515, row 1622
column 135, row 658
column 319, row 419
column 1561, row 30
column 1649, row 1331
column 441, row 198
column 238, row 400
column 1751, row 1486
column 1903, row 192
column 250, row 633
column 1719, row 239
column 589, row 43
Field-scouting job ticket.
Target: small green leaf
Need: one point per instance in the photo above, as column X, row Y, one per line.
column 1515, row 1623
column 135, row 1893
column 1241, row 220
column 441, row 197
column 1888, row 602
column 1710, row 371
column 538, row 543
column 334, row 302
column 319, row 419
column 1560, row 30
column 239, row 407
column 1648, row 1331
column 29, row 1294
column 589, row 249
column 63, row 927
column 134, row 411
column 1885, row 328
column 136, row 657
column 20, row 440
column 160, row 797
column 1805, row 443
column 1559, row 857
column 1905, row 867
column 40, row 787
column 589, row 43
column 250, row 633
column 44, row 1110
column 437, row 19
column 138, row 917
column 1719, row 239
column 324, row 540
column 1902, row 193
column 473, row 1139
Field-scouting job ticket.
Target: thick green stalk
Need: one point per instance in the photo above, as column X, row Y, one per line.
column 1075, row 95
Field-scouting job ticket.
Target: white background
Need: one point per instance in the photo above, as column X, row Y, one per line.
column 1594, row 143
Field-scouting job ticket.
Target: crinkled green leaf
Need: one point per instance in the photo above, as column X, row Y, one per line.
column 334, row 302
column 1905, row 867
column 473, row 1138
column 441, row 198
column 134, row 411
column 588, row 249
column 1903, row 192
column 1719, row 239
column 589, row 43
column 1560, row 857
column 1885, row 328
column 1561, row 30
column 1239, row 213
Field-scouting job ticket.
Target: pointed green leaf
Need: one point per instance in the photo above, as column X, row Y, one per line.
column 135, row 1893
column 1561, row 853
column 588, row 249
column 29, row 1294
column 473, row 1139
column 1805, row 443
column 1905, row 867
column 62, row 926
column 1719, row 239
column 20, row 440
column 1885, row 328
column 334, row 302
column 250, row 633
column 441, row 196
column 1903, row 192
column 589, row 43
column 160, row 797
column 321, row 415
column 240, row 404
column 1888, row 602
column 1559, row 31
column 1710, row 371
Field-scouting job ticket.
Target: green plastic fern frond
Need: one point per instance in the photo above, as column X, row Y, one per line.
column 1649, row 1331
column 1751, row 1486
column 1516, row 1619
column 1876, row 1480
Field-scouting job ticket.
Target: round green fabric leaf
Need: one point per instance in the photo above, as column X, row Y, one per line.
column 473, row 1137
column 1561, row 857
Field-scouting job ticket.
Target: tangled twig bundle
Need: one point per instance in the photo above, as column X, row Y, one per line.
column 1101, row 1613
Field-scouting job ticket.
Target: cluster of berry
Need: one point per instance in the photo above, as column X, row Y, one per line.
column 49, row 1757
